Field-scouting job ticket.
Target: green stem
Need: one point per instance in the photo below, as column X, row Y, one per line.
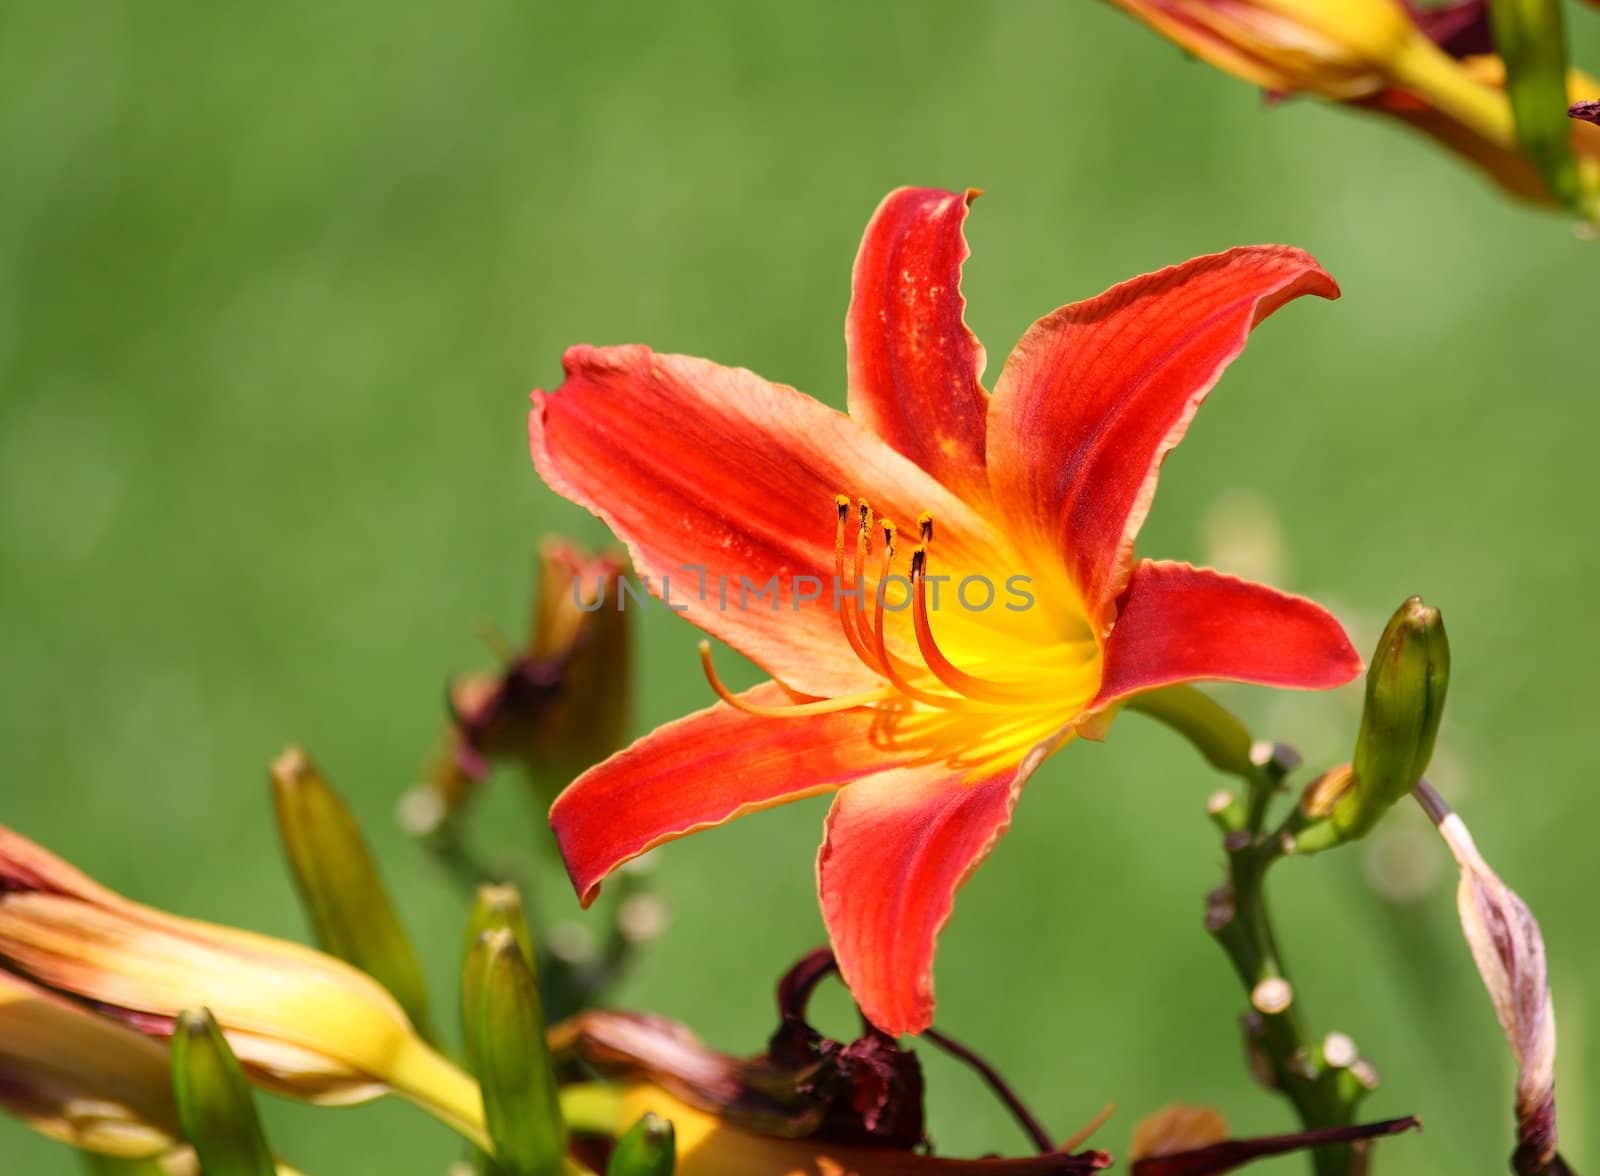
column 1293, row 1063
column 1324, row 1090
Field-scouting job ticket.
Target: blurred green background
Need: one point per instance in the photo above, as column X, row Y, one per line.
column 274, row 283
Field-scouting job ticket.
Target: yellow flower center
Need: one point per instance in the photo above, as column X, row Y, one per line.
column 1011, row 684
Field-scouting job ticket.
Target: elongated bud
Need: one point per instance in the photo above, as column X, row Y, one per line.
column 505, row 1037
column 344, row 895
column 648, row 1148
column 214, row 1101
column 302, row 1023
column 1406, row 687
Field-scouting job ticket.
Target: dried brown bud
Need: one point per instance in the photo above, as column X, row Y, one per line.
column 556, row 707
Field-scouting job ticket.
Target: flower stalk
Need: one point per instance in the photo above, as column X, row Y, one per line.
column 1324, row 1080
column 1325, row 1085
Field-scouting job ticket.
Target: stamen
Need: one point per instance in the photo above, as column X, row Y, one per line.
column 971, row 694
column 891, row 667
column 947, row 672
column 858, row 645
column 826, row 706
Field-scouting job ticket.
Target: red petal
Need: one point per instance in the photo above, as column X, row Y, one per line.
column 914, row 365
column 899, row 845
column 703, row 770
column 1097, row 393
column 695, row 464
column 1179, row 623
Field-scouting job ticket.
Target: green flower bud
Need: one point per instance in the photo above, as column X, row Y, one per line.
column 496, row 908
column 647, row 1149
column 349, row 906
column 1405, row 700
column 214, row 1101
column 505, row 1037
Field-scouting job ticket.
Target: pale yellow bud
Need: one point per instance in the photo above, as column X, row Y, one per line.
column 302, row 1023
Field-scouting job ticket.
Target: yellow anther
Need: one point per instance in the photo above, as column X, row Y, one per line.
column 925, row 525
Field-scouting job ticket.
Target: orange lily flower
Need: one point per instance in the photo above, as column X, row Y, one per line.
column 925, row 711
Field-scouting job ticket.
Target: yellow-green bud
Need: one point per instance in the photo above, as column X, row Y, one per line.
column 344, row 895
